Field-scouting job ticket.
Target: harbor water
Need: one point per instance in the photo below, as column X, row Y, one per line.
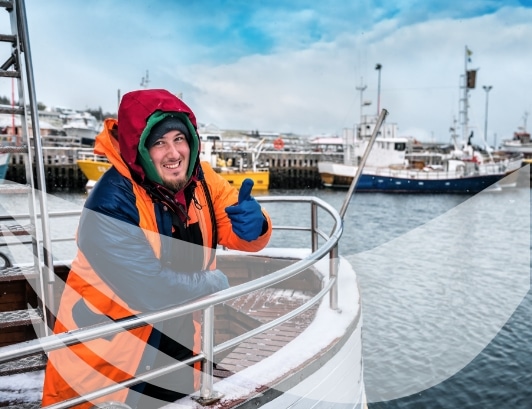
column 445, row 293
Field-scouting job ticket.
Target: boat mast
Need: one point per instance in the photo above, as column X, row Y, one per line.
column 469, row 82
column 362, row 163
column 360, row 88
column 454, row 135
column 378, row 67
column 465, row 98
column 145, row 80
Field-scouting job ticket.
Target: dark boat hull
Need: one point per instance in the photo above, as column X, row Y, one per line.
column 386, row 184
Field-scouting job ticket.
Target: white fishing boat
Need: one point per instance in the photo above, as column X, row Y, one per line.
column 520, row 142
column 287, row 333
column 82, row 125
column 394, row 167
column 235, row 165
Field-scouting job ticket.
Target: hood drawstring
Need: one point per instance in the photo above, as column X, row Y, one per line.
column 160, row 194
column 197, row 204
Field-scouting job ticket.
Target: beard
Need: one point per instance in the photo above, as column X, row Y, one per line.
column 175, row 185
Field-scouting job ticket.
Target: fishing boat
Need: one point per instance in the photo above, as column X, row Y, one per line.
column 81, row 125
column 393, row 168
column 288, row 330
column 235, row 166
column 520, row 142
column 287, row 333
column 92, row 165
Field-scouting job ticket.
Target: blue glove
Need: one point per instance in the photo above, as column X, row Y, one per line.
column 246, row 217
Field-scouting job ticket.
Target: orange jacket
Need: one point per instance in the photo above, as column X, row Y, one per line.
column 91, row 290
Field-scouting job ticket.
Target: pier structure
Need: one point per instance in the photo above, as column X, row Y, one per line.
column 288, row 169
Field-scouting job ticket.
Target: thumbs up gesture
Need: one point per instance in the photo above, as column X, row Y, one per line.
column 246, row 217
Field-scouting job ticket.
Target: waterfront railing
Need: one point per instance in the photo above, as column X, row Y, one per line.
column 322, row 243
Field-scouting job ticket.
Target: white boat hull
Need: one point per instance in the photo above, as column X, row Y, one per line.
column 339, row 383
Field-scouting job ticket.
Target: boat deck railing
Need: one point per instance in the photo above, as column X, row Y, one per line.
column 471, row 169
column 432, row 174
column 88, row 154
column 12, row 240
column 322, row 244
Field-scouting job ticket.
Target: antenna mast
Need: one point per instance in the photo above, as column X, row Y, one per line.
column 145, row 80
column 469, row 82
column 361, row 88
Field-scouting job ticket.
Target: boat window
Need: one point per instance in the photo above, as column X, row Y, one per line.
column 328, row 148
column 400, row 146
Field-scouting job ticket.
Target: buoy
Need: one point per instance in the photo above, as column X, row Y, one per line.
column 278, row 144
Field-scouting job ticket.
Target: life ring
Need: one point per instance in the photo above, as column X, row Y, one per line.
column 278, row 144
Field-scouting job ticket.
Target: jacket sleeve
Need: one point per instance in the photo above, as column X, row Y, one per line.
column 224, row 195
column 118, row 250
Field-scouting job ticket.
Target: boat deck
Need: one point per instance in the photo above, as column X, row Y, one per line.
column 233, row 317
column 264, row 306
column 249, row 372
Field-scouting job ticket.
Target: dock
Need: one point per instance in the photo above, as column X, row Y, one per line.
column 288, row 169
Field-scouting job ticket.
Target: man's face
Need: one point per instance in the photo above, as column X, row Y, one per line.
column 171, row 156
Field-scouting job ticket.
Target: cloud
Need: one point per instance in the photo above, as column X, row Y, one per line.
column 313, row 90
column 291, row 67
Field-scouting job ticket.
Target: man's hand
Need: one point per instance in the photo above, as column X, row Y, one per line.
column 246, row 217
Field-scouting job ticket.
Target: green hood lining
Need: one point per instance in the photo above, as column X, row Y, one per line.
column 144, row 155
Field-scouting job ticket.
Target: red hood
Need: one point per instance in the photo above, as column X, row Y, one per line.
column 133, row 113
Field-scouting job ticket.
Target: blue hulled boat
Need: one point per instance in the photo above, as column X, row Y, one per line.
column 394, row 166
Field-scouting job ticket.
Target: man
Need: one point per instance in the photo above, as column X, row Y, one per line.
column 147, row 237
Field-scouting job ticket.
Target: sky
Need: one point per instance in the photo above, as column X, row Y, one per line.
column 293, row 66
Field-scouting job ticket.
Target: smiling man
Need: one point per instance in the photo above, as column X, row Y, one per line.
column 147, row 239
column 169, row 152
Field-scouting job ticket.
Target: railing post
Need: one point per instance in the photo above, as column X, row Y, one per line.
column 314, row 226
column 207, row 394
column 333, row 275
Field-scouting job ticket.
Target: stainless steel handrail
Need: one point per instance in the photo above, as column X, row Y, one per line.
column 53, row 342
column 19, row 240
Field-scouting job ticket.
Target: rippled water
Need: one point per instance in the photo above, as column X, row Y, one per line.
column 437, row 295
column 445, row 287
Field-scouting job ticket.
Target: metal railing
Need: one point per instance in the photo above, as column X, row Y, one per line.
column 24, row 240
column 329, row 247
